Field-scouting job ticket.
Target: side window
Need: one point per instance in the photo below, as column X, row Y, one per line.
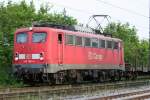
column 87, row 42
column 102, row 43
column 115, row 46
column 109, row 44
column 78, row 40
column 69, row 39
column 94, row 42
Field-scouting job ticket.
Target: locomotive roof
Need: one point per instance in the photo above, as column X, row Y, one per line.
column 79, row 33
column 76, row 28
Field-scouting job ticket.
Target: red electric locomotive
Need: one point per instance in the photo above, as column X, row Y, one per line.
column 57, row 54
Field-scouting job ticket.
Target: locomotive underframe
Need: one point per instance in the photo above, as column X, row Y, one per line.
column 41, row 74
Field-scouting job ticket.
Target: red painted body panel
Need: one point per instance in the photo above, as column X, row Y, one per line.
column 55, row 53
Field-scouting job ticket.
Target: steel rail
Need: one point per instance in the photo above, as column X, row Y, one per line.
column 69, row 89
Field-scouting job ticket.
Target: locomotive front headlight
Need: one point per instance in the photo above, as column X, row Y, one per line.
column 30, row 28
column 16, row 57
column 42, row 56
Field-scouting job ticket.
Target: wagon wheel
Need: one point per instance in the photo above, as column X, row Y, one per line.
column 134, row 75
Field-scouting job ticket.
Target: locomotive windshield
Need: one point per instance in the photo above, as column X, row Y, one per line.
column 21, row 37
column 38, row 37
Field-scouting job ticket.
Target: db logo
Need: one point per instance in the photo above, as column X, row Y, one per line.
column 94, row 56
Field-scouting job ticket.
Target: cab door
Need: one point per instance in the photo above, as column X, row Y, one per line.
column 60, row 48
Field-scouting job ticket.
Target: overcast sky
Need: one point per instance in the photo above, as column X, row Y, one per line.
column 136, row 12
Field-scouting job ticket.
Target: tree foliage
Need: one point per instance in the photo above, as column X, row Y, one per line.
column 135, row 50
column 16, row 15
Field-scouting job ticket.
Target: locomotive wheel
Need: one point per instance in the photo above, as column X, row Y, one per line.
column 58, row 78
column 71, row 76
column 120, row 75
column 102, row 76
column 117, row 76
column 18, row 76
column 101, row 79
column 112, row 75
column 52, row 81
column 79, row 77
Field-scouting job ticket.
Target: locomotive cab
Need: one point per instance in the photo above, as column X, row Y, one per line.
column 30, row 50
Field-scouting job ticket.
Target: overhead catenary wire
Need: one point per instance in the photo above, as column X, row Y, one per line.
column 104, row 2
column 124, row 9
column 90, row 12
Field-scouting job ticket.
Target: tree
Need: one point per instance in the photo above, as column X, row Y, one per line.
column 144, row 53
column 135, row 51
column 16, row 15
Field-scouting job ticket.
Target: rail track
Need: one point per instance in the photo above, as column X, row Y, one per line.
column 139, row 95
column 67, row 89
